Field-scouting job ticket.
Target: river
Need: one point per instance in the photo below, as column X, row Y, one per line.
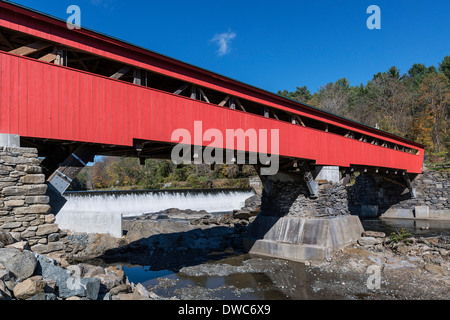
column 240, row 276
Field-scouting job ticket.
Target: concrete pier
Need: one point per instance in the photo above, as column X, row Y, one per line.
column 302, row 239
column 295, row 226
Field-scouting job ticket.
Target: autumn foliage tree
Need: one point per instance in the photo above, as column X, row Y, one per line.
column 431, row 125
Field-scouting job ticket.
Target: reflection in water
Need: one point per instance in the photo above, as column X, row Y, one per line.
column 419, row 228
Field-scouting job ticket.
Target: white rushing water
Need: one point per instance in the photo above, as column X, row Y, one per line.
column 136, row 204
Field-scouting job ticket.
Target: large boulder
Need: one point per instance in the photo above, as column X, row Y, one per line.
column 28, row 288
column 68, row 285
column 21, row 263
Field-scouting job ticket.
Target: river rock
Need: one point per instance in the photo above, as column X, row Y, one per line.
column 374, row 234
column 21, row 263
column 367, row 241
column 29, row 288
column 131, row 296
column 5, row 238
column 109, row 280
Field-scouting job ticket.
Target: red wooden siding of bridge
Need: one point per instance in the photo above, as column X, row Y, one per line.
column 43, row 100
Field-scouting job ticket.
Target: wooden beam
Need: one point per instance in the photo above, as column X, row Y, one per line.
column 240, row 105
column 49, row 57
column 6, row 41
column 83, row 65
column 300, row 120
column 182, row 88
column 204, row 95
column 274, row 114
column 122, row 71
column 224, row 101
column 31, row 48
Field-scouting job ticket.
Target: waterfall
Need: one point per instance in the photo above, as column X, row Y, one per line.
column 135, row 203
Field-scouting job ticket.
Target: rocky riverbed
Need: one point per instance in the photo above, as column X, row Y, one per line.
column 196, row 255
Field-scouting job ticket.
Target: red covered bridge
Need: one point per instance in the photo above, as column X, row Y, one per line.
column 65, row 90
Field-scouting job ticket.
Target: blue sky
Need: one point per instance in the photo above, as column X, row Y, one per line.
column 275, row 45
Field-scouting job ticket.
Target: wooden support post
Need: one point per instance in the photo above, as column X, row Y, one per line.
column 137, row 76
column 193, row 92
column 232, row 103
column 409, row 185
column 61, row 56
column 293, row 120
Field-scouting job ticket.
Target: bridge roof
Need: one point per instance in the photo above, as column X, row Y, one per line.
column 42, row 25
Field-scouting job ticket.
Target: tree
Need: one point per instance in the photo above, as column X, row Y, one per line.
column 417, row 73
column 301, row 94
column 334, row 97
column 390, row 104
column 432, row 123
column 444, row 66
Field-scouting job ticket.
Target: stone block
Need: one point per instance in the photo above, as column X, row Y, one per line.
column 12, row 225
column 14, row 203
column 33, row 179
column 32, row 209
column 37, row 199
column 421, row 212
column 46, row 229
column 26, row 190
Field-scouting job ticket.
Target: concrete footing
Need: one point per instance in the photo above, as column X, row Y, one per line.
column 9, row 140
column 417, row 213
column 302, row 239
column 91, row 222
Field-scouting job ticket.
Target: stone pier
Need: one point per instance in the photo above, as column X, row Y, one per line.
column 371, row 196
column 295, row 226
column 24, row 205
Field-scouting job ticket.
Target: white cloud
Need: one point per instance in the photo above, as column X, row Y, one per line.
column 223, row 40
